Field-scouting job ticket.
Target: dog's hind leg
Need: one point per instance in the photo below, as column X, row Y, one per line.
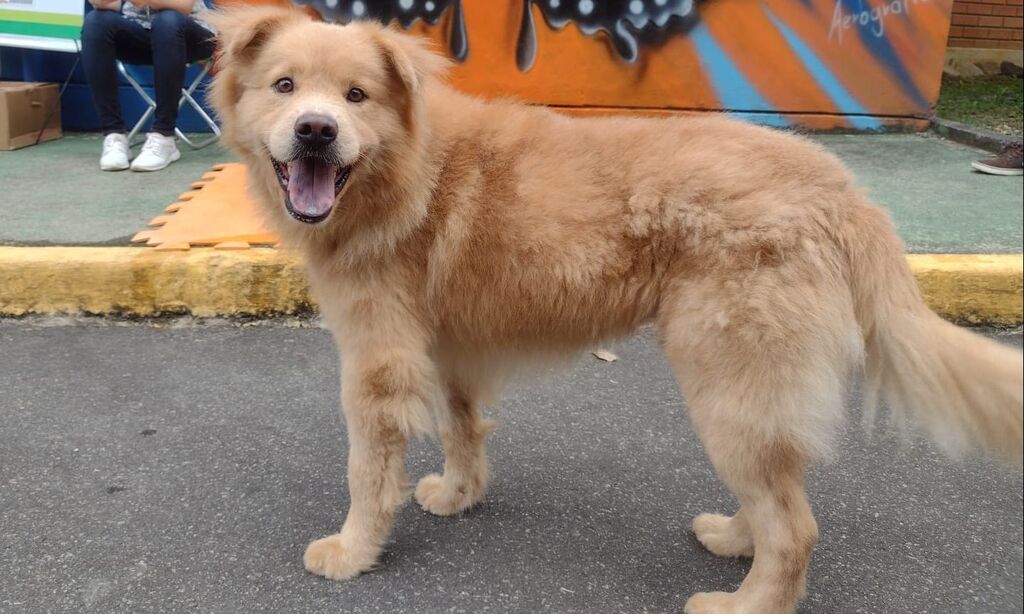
column 465, row 475
column 763, row 391
column 767, row 478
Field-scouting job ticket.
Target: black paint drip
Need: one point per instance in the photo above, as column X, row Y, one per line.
column 628, row 23
column 458, row 39
column 526, row 46
column 405, row 12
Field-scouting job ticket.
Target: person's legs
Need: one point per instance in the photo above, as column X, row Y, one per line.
column 107, row 37
column 177, row 40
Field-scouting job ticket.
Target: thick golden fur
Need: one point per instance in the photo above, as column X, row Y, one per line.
column 474, row 237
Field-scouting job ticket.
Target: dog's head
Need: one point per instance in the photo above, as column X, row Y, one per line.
column 315, row 106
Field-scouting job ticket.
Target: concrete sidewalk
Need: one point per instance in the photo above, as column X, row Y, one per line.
column 185, row 470
column 55, row 194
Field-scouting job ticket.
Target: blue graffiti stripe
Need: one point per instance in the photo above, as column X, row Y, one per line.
column 843, row 100
column 731, row 86
column 881, row 48
column 776, row 120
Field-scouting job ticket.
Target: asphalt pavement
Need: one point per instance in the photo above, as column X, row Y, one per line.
column 183, row 468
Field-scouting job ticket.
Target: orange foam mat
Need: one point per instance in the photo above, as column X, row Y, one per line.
column 217, row 211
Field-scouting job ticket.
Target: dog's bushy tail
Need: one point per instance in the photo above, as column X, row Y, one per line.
column 967, row 390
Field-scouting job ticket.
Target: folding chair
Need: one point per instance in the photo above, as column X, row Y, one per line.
column 186, row 97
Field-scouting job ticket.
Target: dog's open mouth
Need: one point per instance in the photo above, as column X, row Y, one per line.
column 311, row 185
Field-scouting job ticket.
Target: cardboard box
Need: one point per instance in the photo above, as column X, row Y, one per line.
column 23, row 109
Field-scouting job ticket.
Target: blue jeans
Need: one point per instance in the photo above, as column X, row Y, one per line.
column 173, row 41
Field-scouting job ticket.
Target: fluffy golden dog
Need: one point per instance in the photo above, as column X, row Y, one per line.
column 449, row 240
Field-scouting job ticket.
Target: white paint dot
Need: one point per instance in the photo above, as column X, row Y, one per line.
column 636, row 6
column 429, row 6
column 331, row 3
column 358, row 8
column 554, row 3
column 586, row 6
column 405, row 4
column 660, row 2
column 687, row 7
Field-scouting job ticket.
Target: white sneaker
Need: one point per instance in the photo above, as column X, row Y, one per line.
column 157, row 152
column 115, row 153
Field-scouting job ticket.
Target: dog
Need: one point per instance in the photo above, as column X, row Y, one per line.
column 451, row 240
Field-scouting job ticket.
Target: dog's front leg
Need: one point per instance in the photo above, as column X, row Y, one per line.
column 385, row 397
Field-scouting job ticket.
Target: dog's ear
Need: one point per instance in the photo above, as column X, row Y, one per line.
column 243, row 30
column 409, row 58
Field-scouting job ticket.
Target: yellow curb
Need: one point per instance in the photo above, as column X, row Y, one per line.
column 977, row 289
column 144, row 282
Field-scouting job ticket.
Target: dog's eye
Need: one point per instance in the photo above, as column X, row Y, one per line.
column 284, row 86
column 356, row 95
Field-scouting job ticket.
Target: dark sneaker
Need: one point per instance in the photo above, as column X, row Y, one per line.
column 1010, row 161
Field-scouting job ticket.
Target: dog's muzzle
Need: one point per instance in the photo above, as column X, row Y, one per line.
column 313, row 178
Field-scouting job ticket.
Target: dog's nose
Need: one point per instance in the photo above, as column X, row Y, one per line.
column 316, row 129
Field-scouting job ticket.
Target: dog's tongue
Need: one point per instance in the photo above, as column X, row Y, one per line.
column 311, row 186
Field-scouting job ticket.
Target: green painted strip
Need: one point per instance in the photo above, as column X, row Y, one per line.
column 37, row 29
column 53, row 19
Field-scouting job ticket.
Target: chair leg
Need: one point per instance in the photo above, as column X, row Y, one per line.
column 214, row 128
column 186, row 97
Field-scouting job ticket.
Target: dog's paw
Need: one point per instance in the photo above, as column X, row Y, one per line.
column 443, row 498
column 711, row 603
column 331, row 558
column 723, row 535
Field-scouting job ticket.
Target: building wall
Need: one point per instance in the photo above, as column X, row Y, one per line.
column 815, row 64
column 820, row 64
column 987, row 24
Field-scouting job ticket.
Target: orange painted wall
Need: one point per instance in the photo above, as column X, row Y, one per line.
column 861, row 64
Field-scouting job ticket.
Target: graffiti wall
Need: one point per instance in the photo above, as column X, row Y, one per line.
column 821, row 64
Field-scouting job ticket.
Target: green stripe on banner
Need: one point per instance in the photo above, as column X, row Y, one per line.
column 40, row 29
column 53, row 19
